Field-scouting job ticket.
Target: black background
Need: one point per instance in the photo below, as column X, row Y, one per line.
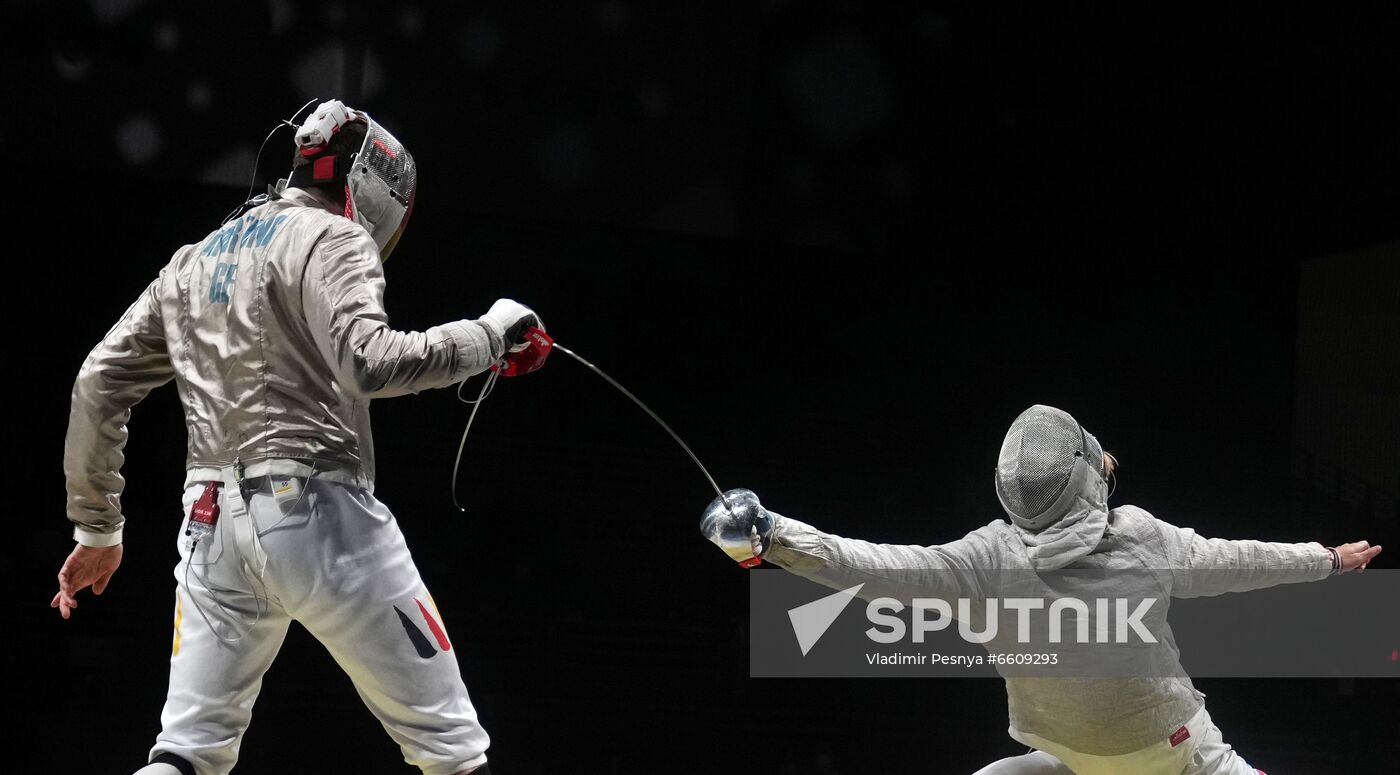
column 837, row 246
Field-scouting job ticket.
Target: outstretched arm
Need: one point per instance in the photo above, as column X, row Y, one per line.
column 746, row 529
column 1215, row 566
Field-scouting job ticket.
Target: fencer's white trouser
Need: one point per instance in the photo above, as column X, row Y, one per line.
column 1205, row 752
column 331, row 557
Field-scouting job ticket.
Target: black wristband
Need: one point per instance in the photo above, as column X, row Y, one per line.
column 1336, row 559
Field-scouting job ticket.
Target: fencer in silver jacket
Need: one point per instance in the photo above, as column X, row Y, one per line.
column 274, row 330
column 278, row 383
column 1052, row 480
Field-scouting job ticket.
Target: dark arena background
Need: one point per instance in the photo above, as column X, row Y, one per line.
column 838, row 247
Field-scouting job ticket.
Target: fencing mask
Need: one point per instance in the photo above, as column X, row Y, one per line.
column 1048, row 463
column 380, row 178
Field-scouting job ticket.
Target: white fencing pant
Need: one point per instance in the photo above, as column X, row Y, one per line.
column 1205, row 752
column 331, row 557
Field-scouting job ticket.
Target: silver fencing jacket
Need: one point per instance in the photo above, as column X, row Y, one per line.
column 273, row 328
column 1098, row 716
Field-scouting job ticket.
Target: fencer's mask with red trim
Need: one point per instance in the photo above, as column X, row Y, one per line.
column 380, row 178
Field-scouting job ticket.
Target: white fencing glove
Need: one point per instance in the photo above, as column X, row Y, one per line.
column 743, row 528
column 510, row 319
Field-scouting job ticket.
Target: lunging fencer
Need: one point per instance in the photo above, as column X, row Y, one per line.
column 274, row 330
column 1052, row 480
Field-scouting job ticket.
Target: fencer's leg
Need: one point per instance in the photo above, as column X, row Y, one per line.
column 379, row 623
column 215, row 674
column 1033, row 763
column 159, row 769
column 1214, row 756
column 167, row 763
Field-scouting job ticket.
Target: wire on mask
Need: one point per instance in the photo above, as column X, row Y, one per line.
column 252, row 184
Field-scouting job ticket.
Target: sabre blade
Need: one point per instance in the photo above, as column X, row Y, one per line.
column 650, row 413
column 491, row 380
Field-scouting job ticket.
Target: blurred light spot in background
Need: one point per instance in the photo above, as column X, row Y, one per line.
column 374, row 75
column 612, row 16
column 139, row 140
column 564, row 156
column 411, row 22
column 320, row 72
column 235, row 167
column 109, row 11
column 838, row 88
column 282, row 14
column 705, row 208
column 166, row 36
column 480, row 42
column 654, row 98
column 198, row 95
column 935, row 27
column 71, row 61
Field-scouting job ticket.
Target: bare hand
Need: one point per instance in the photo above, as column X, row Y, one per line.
column 86, row 566
column 1356, row 556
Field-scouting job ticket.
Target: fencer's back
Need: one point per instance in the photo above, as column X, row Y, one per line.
column 253, row 378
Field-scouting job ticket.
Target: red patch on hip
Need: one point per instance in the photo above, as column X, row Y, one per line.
column 1177, row 737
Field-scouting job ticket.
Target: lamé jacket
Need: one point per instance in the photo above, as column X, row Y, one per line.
column 274, row 330
column 1103, row 715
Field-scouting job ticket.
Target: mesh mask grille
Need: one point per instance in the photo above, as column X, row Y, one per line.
column 390, row 162
column 1037, row 458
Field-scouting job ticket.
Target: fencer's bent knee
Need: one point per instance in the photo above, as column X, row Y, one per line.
column 1033, row 763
